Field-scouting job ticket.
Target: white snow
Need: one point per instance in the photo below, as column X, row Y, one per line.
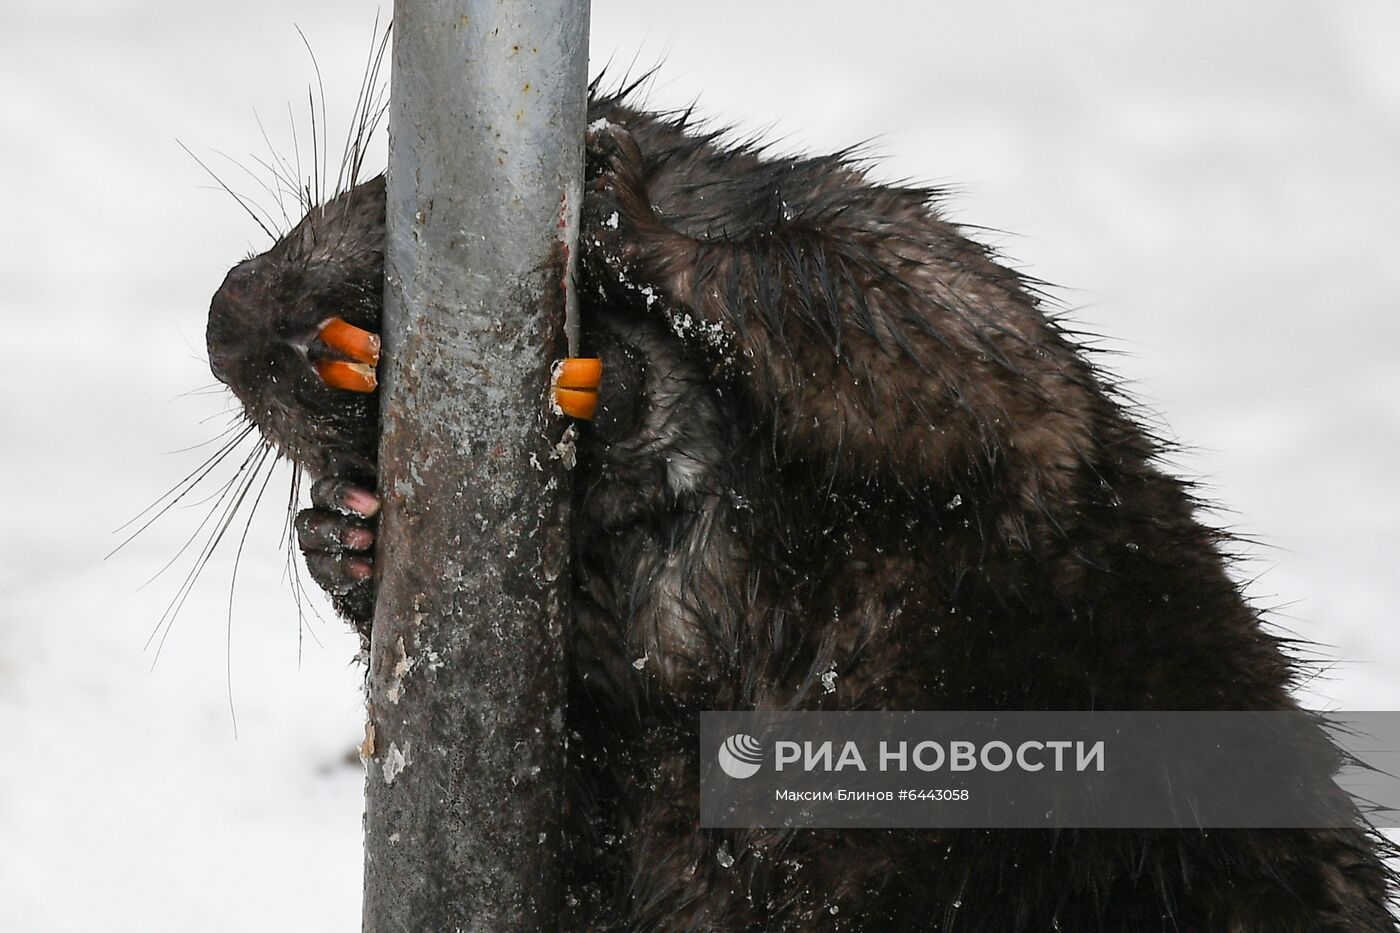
column 1226, row 198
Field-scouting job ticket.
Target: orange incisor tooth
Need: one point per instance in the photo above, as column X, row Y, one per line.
column 576, row 381
column 576, row 403
column 354, row 377
column 577, row 372
column 358, row 344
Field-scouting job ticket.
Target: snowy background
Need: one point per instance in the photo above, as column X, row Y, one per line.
column 1220, row 183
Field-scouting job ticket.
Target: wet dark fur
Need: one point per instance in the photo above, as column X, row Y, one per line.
column 835, row 435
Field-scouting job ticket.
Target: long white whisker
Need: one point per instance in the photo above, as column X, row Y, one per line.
column 231, row 193
column 232, row 587
column 223, row 491
column 179, row 490
column 172, row 612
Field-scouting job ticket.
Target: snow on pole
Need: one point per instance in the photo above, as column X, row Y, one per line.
column 465, row 739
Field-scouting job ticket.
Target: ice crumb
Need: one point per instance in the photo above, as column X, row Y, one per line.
column 394, row 762
column 565, row 451
column 641, row 662
column 611, row 222
column 954, row 502
column 401, row 668
column 393, row 839
column 687, row 327
column 829, row 680
column 723, row 857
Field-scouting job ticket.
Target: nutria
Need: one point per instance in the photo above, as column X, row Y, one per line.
column 835, row 435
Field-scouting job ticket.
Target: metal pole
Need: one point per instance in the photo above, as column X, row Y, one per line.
column 466, row 686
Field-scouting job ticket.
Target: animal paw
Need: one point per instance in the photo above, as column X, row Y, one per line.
column 336, row 536
column 617, row 209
